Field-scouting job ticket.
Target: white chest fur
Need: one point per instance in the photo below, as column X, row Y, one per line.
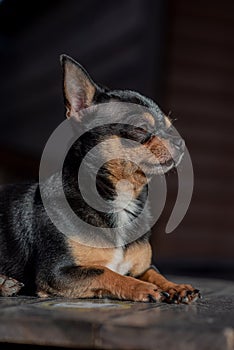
column 117, row 264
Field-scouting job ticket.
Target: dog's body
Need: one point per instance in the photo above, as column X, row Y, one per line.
column 49, row 263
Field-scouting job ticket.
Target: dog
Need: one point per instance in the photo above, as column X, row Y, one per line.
column 37, row 259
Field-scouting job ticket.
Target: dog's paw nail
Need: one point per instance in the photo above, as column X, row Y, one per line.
column 165, row 294
column 151, row 299
column 176, row 297
column 185, row 300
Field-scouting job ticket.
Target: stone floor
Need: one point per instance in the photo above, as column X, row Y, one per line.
column 207, row 324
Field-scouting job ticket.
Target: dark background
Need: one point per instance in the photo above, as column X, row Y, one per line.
column 180, row 53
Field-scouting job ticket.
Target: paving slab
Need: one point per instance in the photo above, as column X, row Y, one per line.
column 110, row 324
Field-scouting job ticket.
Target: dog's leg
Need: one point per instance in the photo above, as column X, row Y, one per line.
column 9, row 286
column 97, row 281
column 177, row 293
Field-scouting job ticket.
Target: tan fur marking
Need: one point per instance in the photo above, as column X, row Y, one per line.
column 168, row 122
column 120, row 168
column 85, row 255
column 42, row 294
column 149, row 118
column 123, row 287
column 139, row 254
column 160, row 148
column 111, row 284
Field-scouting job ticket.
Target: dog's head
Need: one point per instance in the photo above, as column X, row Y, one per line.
column 152, row 128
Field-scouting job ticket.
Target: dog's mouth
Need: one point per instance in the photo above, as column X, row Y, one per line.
column 158, row 168
column 161, row 167
column 168, row 153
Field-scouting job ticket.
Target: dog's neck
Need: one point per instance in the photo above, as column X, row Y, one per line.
column 125, row 187
column 122, row 185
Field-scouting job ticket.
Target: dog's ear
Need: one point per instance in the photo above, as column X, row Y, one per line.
column 78, row 87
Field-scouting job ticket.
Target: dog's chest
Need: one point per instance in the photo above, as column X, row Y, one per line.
column 118, row 263
column 116, row 259
column 125, row 215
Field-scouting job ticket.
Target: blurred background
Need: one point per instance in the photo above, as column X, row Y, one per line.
column 178, row 52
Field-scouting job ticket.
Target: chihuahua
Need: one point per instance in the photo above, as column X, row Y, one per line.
column 36, row 258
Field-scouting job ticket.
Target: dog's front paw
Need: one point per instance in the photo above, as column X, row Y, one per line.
column 9, row 286
column 180, row 293
column 146, row 292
